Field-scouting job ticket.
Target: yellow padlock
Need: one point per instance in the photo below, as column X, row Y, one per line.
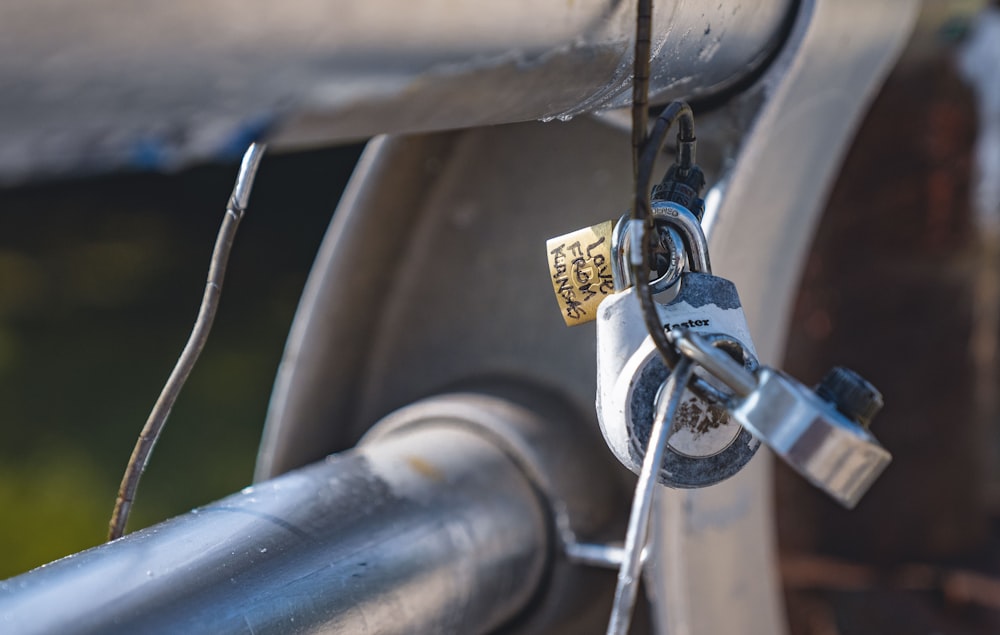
column 580, row 267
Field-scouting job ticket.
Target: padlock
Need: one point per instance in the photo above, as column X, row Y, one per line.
column 705, row 445
column 823, row 434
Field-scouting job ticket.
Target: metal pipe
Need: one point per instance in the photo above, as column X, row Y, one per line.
column 89, row 86
column 431, row 529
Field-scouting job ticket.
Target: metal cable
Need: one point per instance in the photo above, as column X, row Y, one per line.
column 677, row 112
column 196, row 342
column 667, row 402
column 640, row 81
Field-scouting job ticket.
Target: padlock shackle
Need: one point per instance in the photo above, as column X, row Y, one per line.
column 687, row 225
column 686, row 233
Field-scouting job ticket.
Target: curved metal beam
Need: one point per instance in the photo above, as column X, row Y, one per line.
column 716, row 546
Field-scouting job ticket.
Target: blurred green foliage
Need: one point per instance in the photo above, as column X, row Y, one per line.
column 100, row 281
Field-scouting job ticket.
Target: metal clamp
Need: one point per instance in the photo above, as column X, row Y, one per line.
column 815, row 436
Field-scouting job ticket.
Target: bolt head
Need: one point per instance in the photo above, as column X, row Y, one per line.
column 854, row 396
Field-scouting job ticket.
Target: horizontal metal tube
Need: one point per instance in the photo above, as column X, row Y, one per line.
column 429, row 530
column 98, row 84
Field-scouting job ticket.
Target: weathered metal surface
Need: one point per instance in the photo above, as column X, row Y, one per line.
column 88, row 86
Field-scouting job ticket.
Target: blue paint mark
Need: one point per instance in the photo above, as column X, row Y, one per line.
column 149, row 154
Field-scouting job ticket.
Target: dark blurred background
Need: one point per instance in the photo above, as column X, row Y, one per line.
column 100, row 281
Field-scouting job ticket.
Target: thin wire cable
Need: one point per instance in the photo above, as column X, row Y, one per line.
column 640, row 81
column 645, row 150
column 196, row 342
column 677, row 112
column 667, row 402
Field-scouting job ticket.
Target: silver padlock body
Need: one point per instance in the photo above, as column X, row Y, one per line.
column 707, row 446
column 832, row 452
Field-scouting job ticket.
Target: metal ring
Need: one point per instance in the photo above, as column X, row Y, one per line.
column 621, row 271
